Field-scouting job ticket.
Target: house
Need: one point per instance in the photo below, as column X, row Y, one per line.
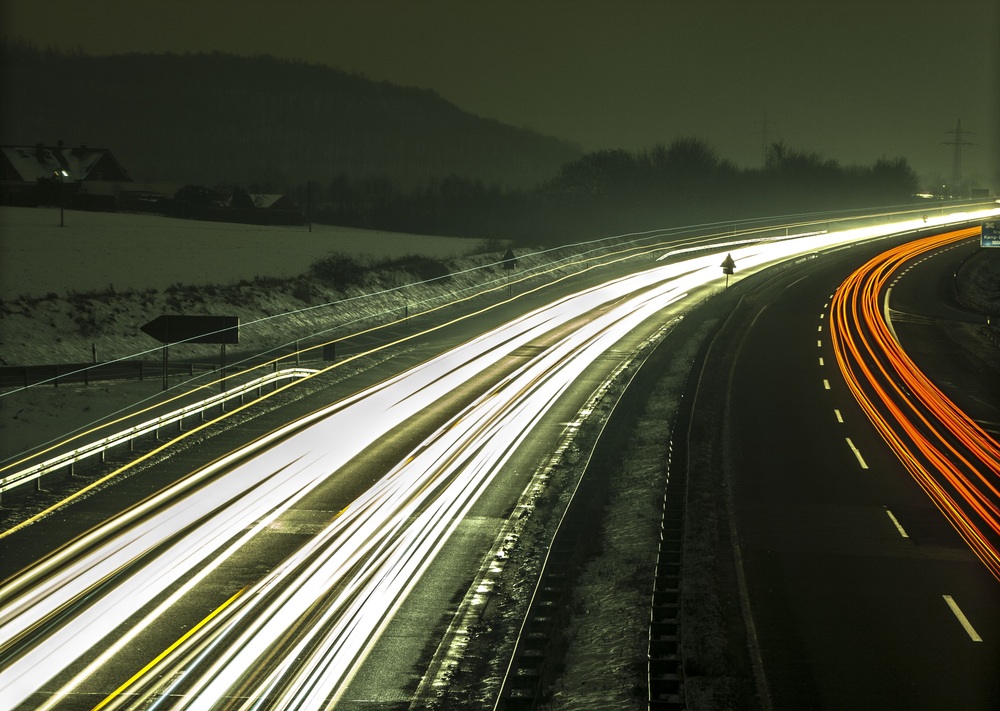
column 273, row 202
column 276, row 209
column 48, row 175
column 259, row 209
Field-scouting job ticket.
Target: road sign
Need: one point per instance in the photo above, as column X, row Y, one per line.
column 728, row 265
column 509, row 260
column 194, row 329
column 990, row 236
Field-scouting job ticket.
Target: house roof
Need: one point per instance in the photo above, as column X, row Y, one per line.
column 265, row 200
column 34, row 162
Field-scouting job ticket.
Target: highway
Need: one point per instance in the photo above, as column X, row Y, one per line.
column 188, row 597
column 859, row 591
column 952, row 458
column 140, row 565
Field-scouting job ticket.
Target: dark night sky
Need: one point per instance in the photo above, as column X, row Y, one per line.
column 851, row 79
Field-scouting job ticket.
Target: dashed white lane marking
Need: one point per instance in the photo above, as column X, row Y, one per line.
column 887, row 315
column 840, row 418
column 826, row 384
column 963, row 620
column 857, row 453
column 821, row 360
column 897, row 524
column 822, row 315
column 820, row 327
column 819, row 344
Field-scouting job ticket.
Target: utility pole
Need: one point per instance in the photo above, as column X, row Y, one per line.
column 764, row 140
column 956, row 158
column 763, row 145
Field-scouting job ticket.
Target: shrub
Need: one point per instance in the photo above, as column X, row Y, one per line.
column 423, row 268
column 302, row 290
column 339, row 270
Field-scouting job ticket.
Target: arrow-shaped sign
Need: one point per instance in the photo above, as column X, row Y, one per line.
column 194, row 329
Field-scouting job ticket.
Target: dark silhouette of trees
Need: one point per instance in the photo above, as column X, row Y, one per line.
column 240, row 199
column 615, row 191
column 892, row 178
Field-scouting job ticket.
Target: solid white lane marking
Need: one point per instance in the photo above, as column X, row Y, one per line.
column 821, row 360
column 839, row 418
column 898, row 526
column 963, row 620
column 857, row 453
column 826, row 384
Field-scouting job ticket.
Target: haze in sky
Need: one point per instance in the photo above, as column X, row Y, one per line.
column 852, row 80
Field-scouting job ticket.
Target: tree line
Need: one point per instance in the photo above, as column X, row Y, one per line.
column 611, row 191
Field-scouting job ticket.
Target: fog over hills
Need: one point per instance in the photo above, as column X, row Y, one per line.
column 218, row 118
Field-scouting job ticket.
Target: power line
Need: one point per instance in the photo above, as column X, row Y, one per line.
column 956, row 158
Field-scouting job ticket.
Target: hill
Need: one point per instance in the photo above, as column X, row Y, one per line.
column 211, row 118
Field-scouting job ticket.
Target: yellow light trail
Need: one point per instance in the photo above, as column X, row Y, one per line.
column 156, row 660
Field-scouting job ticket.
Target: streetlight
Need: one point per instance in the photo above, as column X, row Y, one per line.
column 61, row 174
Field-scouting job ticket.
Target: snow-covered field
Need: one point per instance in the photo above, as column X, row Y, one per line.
column 136, row 254
column 129, row 251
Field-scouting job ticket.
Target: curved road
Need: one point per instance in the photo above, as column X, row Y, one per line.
column 261, row 579
column 287, row 619
column 861, row 593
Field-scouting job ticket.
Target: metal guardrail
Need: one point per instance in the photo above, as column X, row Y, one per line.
column 23, row 376
column 101, row 446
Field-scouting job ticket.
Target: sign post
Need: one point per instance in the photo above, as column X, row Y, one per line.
column 728, row 267
column 509, row 263
column 169, row 329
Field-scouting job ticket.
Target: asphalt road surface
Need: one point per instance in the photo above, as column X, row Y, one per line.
column 220, row 570
column 862, row 595
column 802, row 501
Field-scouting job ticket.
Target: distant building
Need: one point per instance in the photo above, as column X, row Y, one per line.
column 46, row 175
column 258, row 209
column 273, row 202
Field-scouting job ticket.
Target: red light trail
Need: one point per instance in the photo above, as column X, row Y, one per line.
column 950, row 456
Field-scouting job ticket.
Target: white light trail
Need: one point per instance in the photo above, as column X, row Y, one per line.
column 371, row 554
